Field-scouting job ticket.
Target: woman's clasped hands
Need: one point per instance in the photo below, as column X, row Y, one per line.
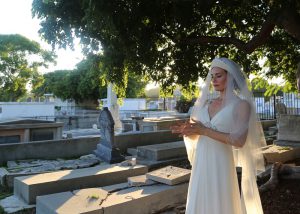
column 189, row 128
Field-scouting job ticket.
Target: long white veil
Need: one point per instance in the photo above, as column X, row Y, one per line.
column 249, row 157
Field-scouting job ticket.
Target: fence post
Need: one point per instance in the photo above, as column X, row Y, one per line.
column 275, row 110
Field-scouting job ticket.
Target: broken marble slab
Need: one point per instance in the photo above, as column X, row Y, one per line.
column 29, row 187
column 33, row 167
column 115, row 199
column 170, row 175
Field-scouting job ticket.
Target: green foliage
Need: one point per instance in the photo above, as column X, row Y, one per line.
column 172, row 41
column 20, row 59
column 190, row 92
column 136, row 86
column 87, row 82
column 262, row 84
column 183, row 105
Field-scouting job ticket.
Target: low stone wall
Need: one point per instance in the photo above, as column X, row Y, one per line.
column 70, row 148
column 52, row 149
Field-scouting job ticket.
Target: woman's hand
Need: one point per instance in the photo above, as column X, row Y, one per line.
column 178, row 127
column 194, row 127
column 189, row 128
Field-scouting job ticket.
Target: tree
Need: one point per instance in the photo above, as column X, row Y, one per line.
column 81, row 84
column 20, row 59
column 86, row 82
column 172, row 41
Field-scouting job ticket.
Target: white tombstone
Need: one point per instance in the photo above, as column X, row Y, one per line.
column 112, row 104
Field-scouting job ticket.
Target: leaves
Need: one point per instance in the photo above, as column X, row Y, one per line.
column 174, row 41
column 20, row 59
column 87, row 82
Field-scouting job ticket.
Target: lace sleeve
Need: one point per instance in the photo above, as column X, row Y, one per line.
column 240, row 124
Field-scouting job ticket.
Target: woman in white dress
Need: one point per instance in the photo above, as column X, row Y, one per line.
column 223, row 133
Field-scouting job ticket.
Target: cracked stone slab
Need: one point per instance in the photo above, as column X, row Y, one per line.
column 113, row 199
column 170, row 175
column 275, row 153
column 29, row 187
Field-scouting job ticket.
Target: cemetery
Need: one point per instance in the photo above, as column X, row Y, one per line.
column 128, row 172
column 149, row 107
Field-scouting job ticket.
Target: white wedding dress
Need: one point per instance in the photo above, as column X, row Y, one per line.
column 213, row 187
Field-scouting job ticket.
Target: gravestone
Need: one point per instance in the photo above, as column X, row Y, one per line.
column 106, row 148
column 288, row 130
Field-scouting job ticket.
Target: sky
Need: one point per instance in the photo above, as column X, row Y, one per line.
column 16, row 18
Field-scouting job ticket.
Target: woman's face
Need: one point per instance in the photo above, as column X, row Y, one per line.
column 218, row 78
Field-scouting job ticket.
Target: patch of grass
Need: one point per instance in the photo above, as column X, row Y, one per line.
column 95, row 197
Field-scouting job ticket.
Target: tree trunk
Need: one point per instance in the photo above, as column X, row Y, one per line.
column 278, row 171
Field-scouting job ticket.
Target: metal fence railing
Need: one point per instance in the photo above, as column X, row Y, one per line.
column 270, row 107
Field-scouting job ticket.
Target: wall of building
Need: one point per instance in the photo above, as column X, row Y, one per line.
column 10, row 110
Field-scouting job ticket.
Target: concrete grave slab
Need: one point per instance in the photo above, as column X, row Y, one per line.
column 29, row 187
column 170, row 175
column 274, row 153
column 162, row 151
column 113, row 200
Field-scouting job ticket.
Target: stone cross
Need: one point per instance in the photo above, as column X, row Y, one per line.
column 106, row 148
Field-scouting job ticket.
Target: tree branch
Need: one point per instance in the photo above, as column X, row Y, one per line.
column 290, row 22
column 248, row 47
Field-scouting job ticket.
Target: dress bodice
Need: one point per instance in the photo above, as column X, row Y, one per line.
column 220, row 121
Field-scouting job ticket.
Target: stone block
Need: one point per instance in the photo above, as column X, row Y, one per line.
column 170, row 175
column 140, row 180
column 162, row 151
column 113, row 200
column 132, row 151
column 29, row 187
column 288, row 128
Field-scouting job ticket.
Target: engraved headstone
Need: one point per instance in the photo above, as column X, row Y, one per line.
column 106, row 148
column 170, row 175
